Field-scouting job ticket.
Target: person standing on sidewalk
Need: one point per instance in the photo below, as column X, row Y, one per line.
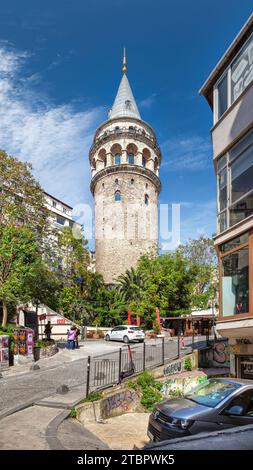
column 48, row 330
column 71, row 335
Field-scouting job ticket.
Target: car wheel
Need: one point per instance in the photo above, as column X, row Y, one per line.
column 107, row 338
column 126, row 339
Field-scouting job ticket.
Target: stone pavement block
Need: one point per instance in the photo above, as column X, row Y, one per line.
column 26, row 429
column 72, row 435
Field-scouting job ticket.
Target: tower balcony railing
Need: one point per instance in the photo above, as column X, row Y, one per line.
column 133, row 133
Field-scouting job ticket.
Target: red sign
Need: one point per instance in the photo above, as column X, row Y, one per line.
column 61, row 321
column 43, row 316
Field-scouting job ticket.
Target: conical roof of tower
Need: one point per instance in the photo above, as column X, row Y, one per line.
column 124, row 104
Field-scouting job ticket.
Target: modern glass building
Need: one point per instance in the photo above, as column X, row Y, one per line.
column 229, row 92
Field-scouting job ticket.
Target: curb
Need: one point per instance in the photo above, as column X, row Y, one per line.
column 51, row 431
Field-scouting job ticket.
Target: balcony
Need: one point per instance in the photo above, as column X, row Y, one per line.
column 131, row 133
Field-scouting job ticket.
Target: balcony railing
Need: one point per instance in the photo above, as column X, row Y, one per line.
column 134, row 133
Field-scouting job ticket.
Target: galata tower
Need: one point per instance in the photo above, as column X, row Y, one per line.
column 125, row 160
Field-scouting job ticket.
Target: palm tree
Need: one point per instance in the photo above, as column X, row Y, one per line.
column 130, row 286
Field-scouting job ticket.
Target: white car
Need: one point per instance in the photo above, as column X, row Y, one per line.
column 125, row 333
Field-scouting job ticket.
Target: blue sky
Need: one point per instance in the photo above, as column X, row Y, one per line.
column 60, row 67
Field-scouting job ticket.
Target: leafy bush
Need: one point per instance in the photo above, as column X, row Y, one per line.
column 188, row 364
column 73, row 413
column 150, row 397
column 175, row 393
column 146, row 379
column 150, row 389
column 94, row 396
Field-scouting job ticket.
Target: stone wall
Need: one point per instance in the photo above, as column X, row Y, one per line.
column 124, row 230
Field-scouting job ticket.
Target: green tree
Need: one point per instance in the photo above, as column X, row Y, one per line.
column 21, row 197
column 203, row 264
column 19, row 258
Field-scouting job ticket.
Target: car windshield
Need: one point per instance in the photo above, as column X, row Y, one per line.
column 212, row 392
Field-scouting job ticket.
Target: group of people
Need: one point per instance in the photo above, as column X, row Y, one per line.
column 72, row 337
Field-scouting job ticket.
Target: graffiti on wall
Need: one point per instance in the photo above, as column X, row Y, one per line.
column 182, row 385
column 217, row 356
column 123, row 400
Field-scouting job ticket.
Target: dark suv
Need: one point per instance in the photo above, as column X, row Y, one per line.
column 214, row 405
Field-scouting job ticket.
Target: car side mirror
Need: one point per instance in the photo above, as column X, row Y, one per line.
column 235, row 410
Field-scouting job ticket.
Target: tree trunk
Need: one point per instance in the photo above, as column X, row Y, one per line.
column 5, row 314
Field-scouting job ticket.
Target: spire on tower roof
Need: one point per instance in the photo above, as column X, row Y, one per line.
column 124, row 104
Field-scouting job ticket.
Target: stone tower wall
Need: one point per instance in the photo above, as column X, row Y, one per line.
column 127, row 229
column 124, row 230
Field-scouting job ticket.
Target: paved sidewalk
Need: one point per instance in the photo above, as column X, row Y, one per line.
column 45, row 426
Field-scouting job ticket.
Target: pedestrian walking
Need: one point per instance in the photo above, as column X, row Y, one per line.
column 71, row 335
column 48, row 330
column 78, row 331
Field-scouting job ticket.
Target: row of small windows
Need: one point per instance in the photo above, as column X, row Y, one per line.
column 130, row 159
column 117, row 197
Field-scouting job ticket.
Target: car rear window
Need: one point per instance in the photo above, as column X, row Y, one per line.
column 212, row 392
column 135, row 328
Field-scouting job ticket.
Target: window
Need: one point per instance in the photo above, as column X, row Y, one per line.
column 146, row 199
column 64, row 210
column 242, row 70
column 235, row 282
column 212, row 392
column 54, row 204
column 130, row 157
column 60, row 220
column 237, row 77
column 116, row 181
column 222, row 89
column 235, row 183
column 245, row 399
column 235, row 243
column 117, row 196
column 242, row 182
column 144, row 162
column 132, row 181
column 117, row 159
column 131, row 129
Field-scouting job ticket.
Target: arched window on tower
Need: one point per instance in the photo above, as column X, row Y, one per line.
column 130, row 157
column 144, row 162
column 156, row 165
column 117, row 196
column 146, row 199
column 117, row 159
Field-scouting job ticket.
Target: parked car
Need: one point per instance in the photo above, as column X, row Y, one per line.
column 216, row 404
column 125, row 333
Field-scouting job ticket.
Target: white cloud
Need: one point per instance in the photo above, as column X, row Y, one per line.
column 54, row 138
column 148, row 102
column 193, row 154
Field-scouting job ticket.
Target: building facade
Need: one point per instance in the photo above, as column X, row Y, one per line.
column 125, row 160
column 229, row 92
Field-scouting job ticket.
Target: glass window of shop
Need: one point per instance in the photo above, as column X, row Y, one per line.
column 235, row 183
column 235, row 276
column 235, row 79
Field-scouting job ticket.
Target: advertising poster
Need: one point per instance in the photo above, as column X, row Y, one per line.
column 4, row 352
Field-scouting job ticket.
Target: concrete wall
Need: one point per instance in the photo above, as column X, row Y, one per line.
column 238, row 118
